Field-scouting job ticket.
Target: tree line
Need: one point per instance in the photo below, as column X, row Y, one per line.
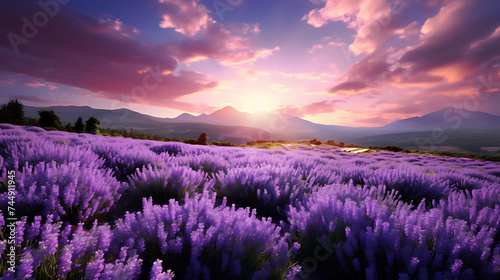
column 13, row 113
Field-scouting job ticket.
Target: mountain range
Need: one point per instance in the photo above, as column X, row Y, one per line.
column 449, row 129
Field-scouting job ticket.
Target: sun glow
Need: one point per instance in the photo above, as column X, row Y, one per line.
column 254, row 104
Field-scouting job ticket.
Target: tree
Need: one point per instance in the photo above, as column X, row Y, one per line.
column 92, row 125
column 13, row 113
column 32, row 122
column 49, row 119
column 69, row 128
column 79, row 126
column 202, row 140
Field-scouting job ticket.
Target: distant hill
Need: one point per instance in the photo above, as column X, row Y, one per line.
column 119, row 118
column 184, row 126
column 447, row 119
column 466, row 131
column 462, row 141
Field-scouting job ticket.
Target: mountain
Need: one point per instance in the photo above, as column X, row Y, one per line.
column 446, row 119
column 460, row 141
column 184, row 126
column 464, row 131
column 281, row 126
column 119, row 118
column 185, row 117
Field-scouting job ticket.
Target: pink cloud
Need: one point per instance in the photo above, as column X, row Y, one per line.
column 242, row 28
column 93, row 54
column 118, row 25
column 370, row 68
column 411, row 29
column 314, row 48
column 193, row 108
column 455, row 48
column 315, row 108
column 8, row 81
column 346, row 87
column 412, row 109
column 45, row 101
column 373, row 121
column 34, row 84
column 213, row 40
column 216, row 42
column 185, row 16
column 38, row 84
column 367, row 17
column 459, row 29
column 255, row 29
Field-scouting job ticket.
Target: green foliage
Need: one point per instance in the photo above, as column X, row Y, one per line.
column 79, row 126
column 227, row 144
column 69, row 128
column 13, row 113
column 92, row 125
column 190, row 141
column 393, row 148
column 263, row 141
column 32, row 122
column 49, row 119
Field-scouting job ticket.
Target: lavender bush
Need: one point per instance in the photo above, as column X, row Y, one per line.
column 95, row 207
column 164, row 182
column 199, row 240
column 70, row 192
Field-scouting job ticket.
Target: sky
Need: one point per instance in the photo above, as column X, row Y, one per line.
column 362, row 63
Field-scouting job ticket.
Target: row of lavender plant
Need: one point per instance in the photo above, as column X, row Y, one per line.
column 135, row 208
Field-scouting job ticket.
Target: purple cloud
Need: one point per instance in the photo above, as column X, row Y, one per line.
column 348, row 86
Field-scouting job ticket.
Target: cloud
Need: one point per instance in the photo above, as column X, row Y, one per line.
column 373, row 121
column 346, row 87
column 118, row 25
column 411, row 109
column 368, row 17
column 410, row 30
column 370, row 68
column 216, row 42
column 185, row 16
column 308, row 75
column 453, row 48
column 7, row 82
column 242, row 28
column 103, row 56
column 36, row 84
column 458, row 33
column 190, row 107
column 41, row 100
column 77, row 50
column 208, row 39
column 315, row 108
column 314, row 48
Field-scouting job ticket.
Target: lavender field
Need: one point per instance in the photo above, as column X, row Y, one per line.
column 96, row 207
